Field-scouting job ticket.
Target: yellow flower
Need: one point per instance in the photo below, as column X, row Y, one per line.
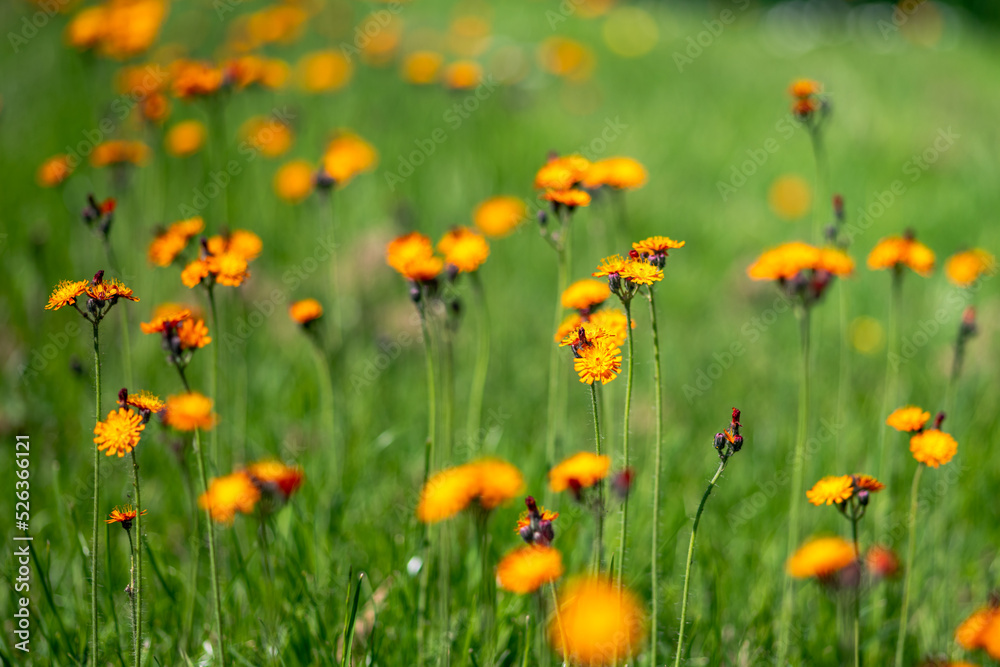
column 190, row 411
column 615, row 264
column 910, row 418
column 228, row 495
column 124, row 515
column 965, row 268
column 580, row 471
column 145, row 401
column 895, row 251
column 119, row 433
column 347, row 156
column 656, row 245
column 421, row 67
column 597, row 622
column 323, row 71
column 526, row 569
column 641, row 273
column 831, row 490
column 568, row 326
column 276, row 477
column 185, row 138
column 119, row 151
column 66, row 293
column 585, row 295
column 620, row 173
column 447, row 493
column 499, row 482
column 131, row 26
column 294, row 181
column 499, row 216
column 784, row 262
column 268, row 135
column 562, row 173
column 612, row 322
column 463, row 75
column 600, row 360
column 835, row 261
column 571, row 198
column 464, row 249
column 110, row 289
column 821, row 557
column 229, row 268
column 933, row 447
column 54, row 171
column 305, row 311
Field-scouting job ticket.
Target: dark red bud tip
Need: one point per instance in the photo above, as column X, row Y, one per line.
column 123, row 396
column 108, row 205
column 838, row 205
column 909, row 234
column 938, row 419
column 633, row 253
column 969, row 315
column 736, row 415
column 531, row 505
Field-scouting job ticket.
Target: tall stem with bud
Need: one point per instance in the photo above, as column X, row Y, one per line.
column 625, row 437
column 657, row 465
column 97, row 495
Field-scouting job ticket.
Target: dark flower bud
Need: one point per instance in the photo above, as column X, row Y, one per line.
column 543, row 218
column 622, row 482
column 323, row 180
column 526, row 534
column 633, row 254
column 98, row 278
column 414, row 293
column 532, row 506
column 123, row 397
column 720, row 441
column 93, row 305
column 863, row 497
column 968, row 327
column 736, row 417
column 830, row 233
column 615, row 282
column 737, row 443
column 939, row 419
column 545, row 533
column 838, row 207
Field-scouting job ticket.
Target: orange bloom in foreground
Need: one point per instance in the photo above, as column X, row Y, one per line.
column 305, row 311
column 228, row 495
column 464, row 249
column 119, row 433
column 491, row 482
column 598, row 360
column 598, row 623
column 190, row 411
column 821, row 557
column 933, row 447
column 897, row 251
column 579, row 471
column 527, row 568
column 294, row 181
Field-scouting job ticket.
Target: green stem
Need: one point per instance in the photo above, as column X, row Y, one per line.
column 555, row 374
column 816, row 139
column 798, row 467
column 428, row 463
column 559, row 625
column 213, row 562
column 137, row 648
column 132, row 588
column 857, row 590
column 844, row 377
column 334, row 289
column 908, row 578
column 599, row 513
column 481, row 369
column 97, row 495
column 327, row 406
column 487, row 593
column 891, row 371
column 657, row 464
column 625, row 452
column 214, row 387
column 690, row 559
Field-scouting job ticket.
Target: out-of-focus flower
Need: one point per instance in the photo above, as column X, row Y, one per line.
column 305, row 311
column 268, row 135
column 585, row 295
column 908, row 419
column 119, row 433
column 463, row 249
column 579, row 471
column 597, row 622
column 490, row 481
column 527, row 568
column 412, row 255
column 118, row 151
column 894, row 252
column 324, row 71
column 821, row 558
column 497, row 217
column 190, row 79
column 463, row 75
column 189, row 411
column 620, row 173
column 54, row 171
column 567, row 58
column 965, row 268
column 275, row 478
column 228, row 495
column 346, row 156
column 185, row 138
column 422, row 68
column 293, row 181
column 933, row 447
column 562, row 173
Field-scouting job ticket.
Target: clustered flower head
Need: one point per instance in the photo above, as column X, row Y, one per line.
column 464, row 250
column 223, row 260
column 499, row 216
column 596, row 353
column 526, row 568
column 125, row 516
column 346, row 156
column 981, row 630
column 579, row 472
column 535, row 524
column 560, row 178
column 729, row 441
column 655, row 249
column 172, row 241
column 808, row 102
column 850, row 494
column 932, row 447
column 801, row 270
column 181, row 331
column 616, row 173
column 119, row 29
column 489, row 482
column 120, row 432
column 412, row 256
column 821, row 558
column 586, row 298
column 189, row 411
column 101, row 296
column 626, row 275
column 895, row 252
column 305, row 312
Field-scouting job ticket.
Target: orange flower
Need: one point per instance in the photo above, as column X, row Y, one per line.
column 145, row 401
column 422, row 67
column 413, row 257
column 119, row 433
column 524, row 520
column 305, row 311
column 641, row 273
column 821, row 557
column 910, row 418
column 597, row 623
column 499, row 482
column 464, row 249
column 802, row 88
column 86, row 29
column 193, row 334
column 867, row 483
column 585, row 295
column 54, row 171
column 896, row 251
column 125, row 516
column 562, row 173
column 294, row 181
column 66, row 293
column 463, row 75
column 580, row 471
column 615, row 264
column 229, row 268
column 656, row 245
column 933, row 447
column 106, row 290
column 784, row 262
column 191, row 78
column 971, row 634
column 185, row 138
column 600, row 360
column 620, row 173
column 324, row 71
column 447, row 493
column 165, row 321
column 526, row 569
column 228, row 495
column 119, row 152
column 165, row 248
column 612, row 322
column 567, row 58
column 499, row 216
column 276, row 477
column 190, row 411
column 268, row 135
column 570, row 198
column 347, row 156
column 831, row 490
column 965, row 268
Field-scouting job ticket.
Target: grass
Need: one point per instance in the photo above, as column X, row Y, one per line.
column 723, row 344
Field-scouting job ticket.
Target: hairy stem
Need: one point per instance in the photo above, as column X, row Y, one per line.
column 599, row 513
column 137, row 591
column 625, row 451
column 97, row 495
column 657, row 464
column 481, row 368
column 911, row 546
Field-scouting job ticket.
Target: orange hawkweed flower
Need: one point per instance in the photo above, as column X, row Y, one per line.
column 145, row 401
column 908, row 419
column 642, row 273
column 165, row 248
column 447, row 493
column 597, row 623
column 933, row 447
column 185, row 138
column 831, row 490
column 118, row 151
column 106, row 290
column 657, row 245
column 228, row 495
column 189, row 411
column 268, row 135
column 499, row 216
column 193, row 334
column 524, row 520
column 54, row 171
column 464, row 249
column 571, row 198
column 192, row 78
column 580, row 471
column 119, row 433
column 802, row 88
column 568, row 327
column 194, row 273
column 229, row 268
column 293, row 182
column 125, row 516
column 163, row 321
column 526, row 569
column 821, row 558
column 612, row 322
column 562, row 173
column 835, row 261
column 965, row 268
column 324, row 71
column 347, row 156
column 499, row 482
column 972, row 633
column 412, row 255
column 585, row 295
column 463, row 75
column 784, row 261
column 613, row 265
column 600, row 360
column 305, row 311
column 620, row 173
column 276, row 477
column 867, row 483
column 567, row 58
column 422, row 67
column 893, row 252
column 66, row 293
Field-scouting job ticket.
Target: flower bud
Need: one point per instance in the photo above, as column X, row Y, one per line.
column 720, row 441
column 526, row 534
column 737, row 443
column 863, row 495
